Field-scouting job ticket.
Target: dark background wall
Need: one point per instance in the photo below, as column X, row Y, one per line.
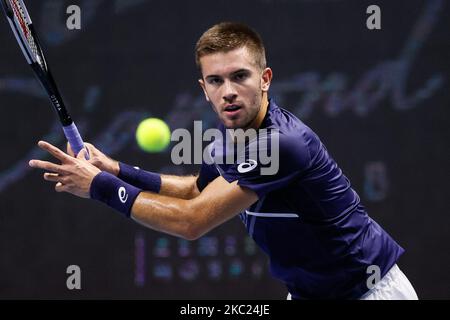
column 379, row 100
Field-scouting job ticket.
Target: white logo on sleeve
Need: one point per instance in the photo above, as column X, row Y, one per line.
column 123, row 195
column 247, row 166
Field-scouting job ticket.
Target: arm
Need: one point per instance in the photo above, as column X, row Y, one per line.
column 190, row 219
column 183, row 187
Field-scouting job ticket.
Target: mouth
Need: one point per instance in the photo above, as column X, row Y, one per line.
column 232, row 109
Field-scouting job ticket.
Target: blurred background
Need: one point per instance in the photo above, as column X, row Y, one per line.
column 378, row 99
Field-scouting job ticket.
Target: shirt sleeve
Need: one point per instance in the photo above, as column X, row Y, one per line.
column 208, row 173
column 288, row 161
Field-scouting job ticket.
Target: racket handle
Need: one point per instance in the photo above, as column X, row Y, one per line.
column 74, row 138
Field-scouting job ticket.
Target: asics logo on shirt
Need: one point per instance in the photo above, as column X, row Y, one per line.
column 123, row 195
column 247, row 166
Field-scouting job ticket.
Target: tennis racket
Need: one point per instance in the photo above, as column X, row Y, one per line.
column 26, row 37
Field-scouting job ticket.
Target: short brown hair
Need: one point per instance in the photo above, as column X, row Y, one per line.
column 227, row 36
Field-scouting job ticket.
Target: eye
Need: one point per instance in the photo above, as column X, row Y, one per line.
column 240, row 76
column 215, row 81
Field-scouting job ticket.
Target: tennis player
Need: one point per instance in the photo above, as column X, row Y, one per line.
column 306, row 216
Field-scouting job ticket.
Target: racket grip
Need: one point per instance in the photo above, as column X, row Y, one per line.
column 74, row 138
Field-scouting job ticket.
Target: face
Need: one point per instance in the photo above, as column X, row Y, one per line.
column 234, row 85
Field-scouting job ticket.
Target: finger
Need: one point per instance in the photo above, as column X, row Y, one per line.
column 54, row 177
column 54, row 151
column 82, row 154
column 90, row 147
column 48, row 166
column 59, row 187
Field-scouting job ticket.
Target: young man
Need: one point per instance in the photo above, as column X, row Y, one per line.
column 304, row 215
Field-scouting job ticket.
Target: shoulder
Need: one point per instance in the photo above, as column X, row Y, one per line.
column 296, row 139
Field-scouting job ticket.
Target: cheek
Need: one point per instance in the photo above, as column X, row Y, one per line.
column 256, row 100
column 214, row 102
column 213, row 106
column 214, row 96
column 256, row 90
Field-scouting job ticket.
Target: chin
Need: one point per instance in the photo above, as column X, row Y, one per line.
column 233, row 124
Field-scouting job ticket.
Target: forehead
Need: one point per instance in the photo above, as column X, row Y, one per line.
column 222, row 63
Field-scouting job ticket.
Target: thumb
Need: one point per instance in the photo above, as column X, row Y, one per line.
column 69, row 150
column 82, row 154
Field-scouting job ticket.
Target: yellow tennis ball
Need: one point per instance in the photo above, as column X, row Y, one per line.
column 153, row 135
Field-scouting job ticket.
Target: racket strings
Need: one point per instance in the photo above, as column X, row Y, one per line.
column 19, row 12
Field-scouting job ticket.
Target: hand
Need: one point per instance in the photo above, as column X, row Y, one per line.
column 99, row 159
column 73, row 175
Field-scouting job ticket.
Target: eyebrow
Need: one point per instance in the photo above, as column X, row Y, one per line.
column 232, row 74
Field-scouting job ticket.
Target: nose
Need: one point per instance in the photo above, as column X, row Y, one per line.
column 229, row 93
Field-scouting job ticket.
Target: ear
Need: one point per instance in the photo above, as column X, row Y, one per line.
column 266, row 79
column 202, row 84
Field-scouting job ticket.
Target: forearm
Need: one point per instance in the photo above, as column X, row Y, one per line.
column 167, row 214
column 183, row 187
column 190, row 219
column 173, row 216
